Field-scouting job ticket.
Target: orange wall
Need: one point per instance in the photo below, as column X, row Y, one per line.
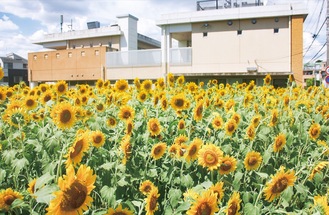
column 297, row 48
column 70, row 64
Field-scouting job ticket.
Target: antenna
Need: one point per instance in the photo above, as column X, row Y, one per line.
column 70, row 26
column 61, row 23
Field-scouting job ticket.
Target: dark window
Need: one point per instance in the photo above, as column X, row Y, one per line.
column 239, row 32
column 205, row 34
column 25, row 66
column 8, row 65
column 276, row 30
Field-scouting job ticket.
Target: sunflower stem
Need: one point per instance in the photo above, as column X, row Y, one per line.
column 59, row 165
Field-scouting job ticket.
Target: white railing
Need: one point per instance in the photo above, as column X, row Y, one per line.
column 180, row 56
column 149, row 57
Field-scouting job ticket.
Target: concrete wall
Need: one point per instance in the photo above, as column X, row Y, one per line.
column 70, row 64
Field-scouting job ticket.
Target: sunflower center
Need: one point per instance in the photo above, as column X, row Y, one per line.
column 74, row 197
column 252, row 161
column 47, row 98
column 179, row 102
column 280, row 185
column 61, row 88
column 147, row 188
column 199, row 111
column 29, row 103
column 181, row 125
column 231, row 127
column 126, row 114
column 8, row 199
column 192, row 151
column 143, row 96
column 217, row 123
column 122, row 87
column 65, row 116
column 274, row 119
column 119, row 213
column 278, row 142
column 226, row 165
column 129, row 128
column 153, row 203
column 314, row 132
column 98, row 139
column 154, row 127
column 204, row 209
column 232, row 209
column 77, row 148
column 210, row 158
column 100, row 107
column 157, row 150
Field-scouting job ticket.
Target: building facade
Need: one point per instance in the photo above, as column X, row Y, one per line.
column 235, row 42
column 12, row 61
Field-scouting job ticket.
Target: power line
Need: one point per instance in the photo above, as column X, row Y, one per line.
column 318, row 52
column 315, row 36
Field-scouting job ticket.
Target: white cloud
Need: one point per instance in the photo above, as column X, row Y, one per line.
column 7, row 25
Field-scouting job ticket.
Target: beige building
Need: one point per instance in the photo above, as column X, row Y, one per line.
column 228, row 42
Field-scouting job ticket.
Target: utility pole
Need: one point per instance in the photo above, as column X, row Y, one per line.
column 327, row 32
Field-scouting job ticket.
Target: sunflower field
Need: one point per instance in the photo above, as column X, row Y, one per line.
column 164, row 147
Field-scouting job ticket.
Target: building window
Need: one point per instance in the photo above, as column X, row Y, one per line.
column 18, row 79
column 205, row 34
column 24, row 66
column 57, row 55
column 8, row 65
column 45, row 56
column 83, row 53
column 96, row 52
column 70, row 54
column 239, row 32
column 34, row 57
column 253, row 21
column 276, row 30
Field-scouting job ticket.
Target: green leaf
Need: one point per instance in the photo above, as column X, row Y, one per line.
column 19, row 164
column 187, row 181
column 108, row 193
column 183, row 207
column 137, row 203
column 108, row 165
column 122, row 182
column 251, row 209
column 45, row 193
column 44, row 179
column 174, row 196
column 152, row 173
column 9, row 155
column 267, row 154
column 2, row 175
column 286, row 196
column 237, row 180
column 262, row 175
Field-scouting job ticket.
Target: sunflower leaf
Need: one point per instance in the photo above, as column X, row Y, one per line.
column 108, row 165
column 44, row 179
column 108, row 193
column 2, row 175
column 183, row 207
column 45, row 194
column 250, row 209
column 19, row 164
column 9, row 155
column 174, row 196
column 187, row 181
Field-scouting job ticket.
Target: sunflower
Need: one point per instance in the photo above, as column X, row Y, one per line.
column 217, row 122
column 205, row 204
column 171, row 79
column 61, row 87
column 279, row 182
column 236, row 117
column 100, row 107
column 7, row 197
column 174, row 150
column 158, row 150
column 129, row 127
column 97, row 138
column 142, row 96
column 15, row 117
column 111, row 122
column 210, row 156
column 126, row 148
column 160, row 83
column 147, row 85
column 274, row 118
column 43, row 87
column 99, row 84
column 233, row 205
column 30, row 102
column 246, row 101
column 164, row 103
column 193, row 149
column 146, row 187
column 218, row 190
column 190, row 194
column 31, row 187
column 181, row 139
column 137, row 83
column 267, row 79
column 181, row 124
column 314, row 131
column 74, row 195
column 121, row 85
column 256, row 120
column 230, row 127
column 318, row 168
column 79, row 147
column 198, row 110
column 228, row 165
column 180, row 80
column 250, row 131
column 192, row 87
column 229, row 105
column 322, row 203
column 152, row 201
column 119, row 211
column 126, row 112
column 64, row 115
column 3, row 95
column 9, row 92
column 279, row 142
column 179, row 102
column 253, row 160
column 154, row 127
column 46, row 96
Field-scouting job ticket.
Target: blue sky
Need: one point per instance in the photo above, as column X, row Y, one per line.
column 25, row 21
